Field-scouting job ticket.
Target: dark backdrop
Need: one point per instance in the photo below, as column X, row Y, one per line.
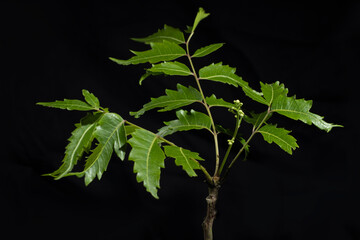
column 56, row 49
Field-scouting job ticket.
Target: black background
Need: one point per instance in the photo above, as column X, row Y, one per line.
column 57, row 48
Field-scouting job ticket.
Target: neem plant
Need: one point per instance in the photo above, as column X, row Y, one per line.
column 101, row 132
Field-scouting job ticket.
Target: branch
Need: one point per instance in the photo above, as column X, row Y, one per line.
column 245, row 144
column 217, row 155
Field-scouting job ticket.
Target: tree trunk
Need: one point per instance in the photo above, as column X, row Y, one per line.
column 207, row 224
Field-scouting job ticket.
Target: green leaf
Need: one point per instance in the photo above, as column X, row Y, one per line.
column 207, row 50
column 79, row 142
column 160, row 51
column 299, row 109
column 199, row 16
column 110, row 133
column 171, row 68
column 221, row 73
column 68, row 104
column 186, row 121
column 272, row 91
column 148, row 158
column 168, row 33
column 148, row 74
column 212, row 101
column 172, row 100
column 91, row 99
column 225, row 74
column 280, row 136
column 256, row 118
column 184, row 158
column 275, row 95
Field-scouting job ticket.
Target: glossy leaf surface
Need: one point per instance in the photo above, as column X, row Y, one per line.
column 299, row 109
column 148, row 159
column 184, row 158
column 212, row 101
column 226, row 74
column 171, row 68
column 172, row 100
column 199, row 16
column 168, row 33
column 280, row 136
column 186, row 121
column 68, row 104
column 160, row 51
column 204, row 51
column 110, row 132
column 91, row 99
column 79, row 142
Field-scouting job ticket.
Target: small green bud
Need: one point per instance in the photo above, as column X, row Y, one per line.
column 241, row 113
column 230, row 141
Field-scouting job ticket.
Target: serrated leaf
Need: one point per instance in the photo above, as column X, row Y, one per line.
column 221, row 73
column 91, row 99
column 184, row 158
column 172, row 100
column 171, row 68
column 168, row 33
column 148, row 159
column 160, row 51
column 68, row 104
column 299, row 109
column 110, row 133
column 280, row 136
column 272, row 91
column 226, row 74
column 186, row 121
column 79, row 142
column 212, row 101
column 202, row 52
column 199, row 16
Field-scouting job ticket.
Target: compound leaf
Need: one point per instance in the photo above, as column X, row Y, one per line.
column 148, row 158
column 168, row 33
column 201, row 52
column 184, row 158
column 172, row 100
column 80, row 141
column 186, row 121
column 280, row 136
column 171, row 68
column 160, row 51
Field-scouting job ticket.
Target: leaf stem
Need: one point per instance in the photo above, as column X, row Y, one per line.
column 216, row 143
column 245, row 144
column 237, row 126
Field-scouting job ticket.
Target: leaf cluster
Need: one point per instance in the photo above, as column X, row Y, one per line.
column 100, row 132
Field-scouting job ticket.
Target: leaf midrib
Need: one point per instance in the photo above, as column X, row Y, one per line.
column 106, row 143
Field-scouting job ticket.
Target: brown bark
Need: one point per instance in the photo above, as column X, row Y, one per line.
column 211, row 212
